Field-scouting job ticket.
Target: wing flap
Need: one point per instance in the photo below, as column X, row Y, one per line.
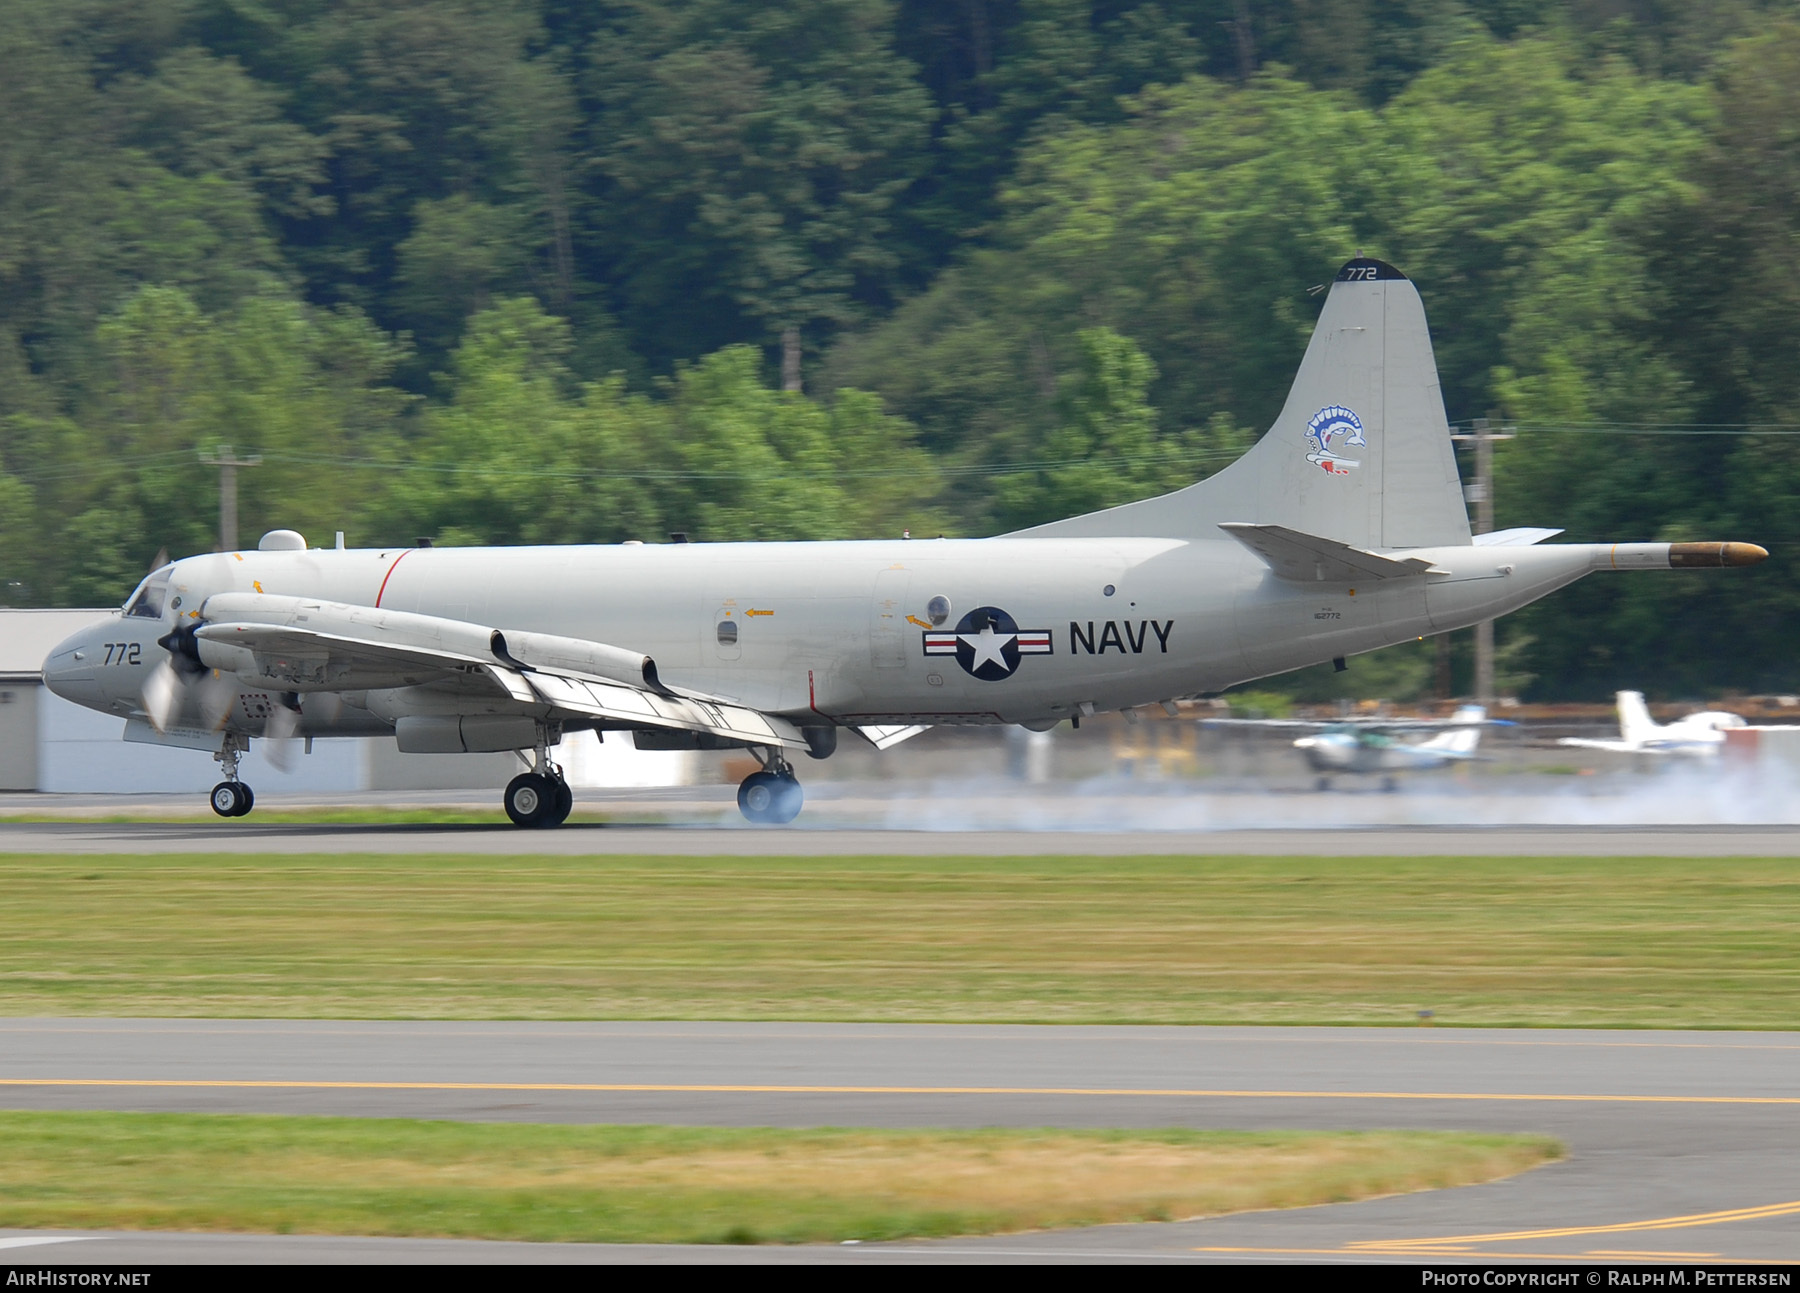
column 625, row 706
column 512, row 683
column 887, row 736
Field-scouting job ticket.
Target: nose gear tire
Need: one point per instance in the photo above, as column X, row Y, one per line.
column 232, row 799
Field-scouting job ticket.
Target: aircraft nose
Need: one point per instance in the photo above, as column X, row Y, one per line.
column 71, row 670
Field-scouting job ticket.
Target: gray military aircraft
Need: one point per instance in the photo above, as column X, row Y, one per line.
column 1342, row 530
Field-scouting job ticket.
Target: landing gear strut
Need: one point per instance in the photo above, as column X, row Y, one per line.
column 773, row 795
column 231, row 797
column 542, row 796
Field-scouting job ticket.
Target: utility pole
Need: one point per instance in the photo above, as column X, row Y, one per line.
column 790, row 359
column 1480, row 491
column 228, row 463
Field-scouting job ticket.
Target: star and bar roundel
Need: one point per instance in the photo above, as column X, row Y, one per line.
column 987, row 643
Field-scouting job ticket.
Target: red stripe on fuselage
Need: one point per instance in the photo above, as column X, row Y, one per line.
column 388, row 576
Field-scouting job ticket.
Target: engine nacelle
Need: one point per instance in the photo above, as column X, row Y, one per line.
column 575, row 655
column 470, row 734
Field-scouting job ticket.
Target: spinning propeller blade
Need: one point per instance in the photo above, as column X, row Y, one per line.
column 279, row 730
column 162, row 696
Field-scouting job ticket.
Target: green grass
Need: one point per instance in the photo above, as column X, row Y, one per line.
column 1616, row 942
column 687, row 1184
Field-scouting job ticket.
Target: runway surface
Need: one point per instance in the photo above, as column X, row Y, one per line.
column 578, row 839
column 1683, row 1145
column 961, row 796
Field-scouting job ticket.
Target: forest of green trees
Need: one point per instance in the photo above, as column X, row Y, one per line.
column 523, row 271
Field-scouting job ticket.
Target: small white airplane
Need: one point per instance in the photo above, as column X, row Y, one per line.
column 1368, row 746
column 1341, row 531
column 1701, row 735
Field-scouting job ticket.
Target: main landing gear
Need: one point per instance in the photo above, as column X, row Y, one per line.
column 772, row 796
column 231, row 797
column 542, row 796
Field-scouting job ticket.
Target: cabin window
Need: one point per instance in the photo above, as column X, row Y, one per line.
column 727, row 632
column 147, row 601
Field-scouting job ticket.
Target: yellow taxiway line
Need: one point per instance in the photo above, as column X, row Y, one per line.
column 1474, row 1245
column 1659, row 1223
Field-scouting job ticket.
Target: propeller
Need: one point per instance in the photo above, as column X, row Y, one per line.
column 182, row 678
column 279, row 731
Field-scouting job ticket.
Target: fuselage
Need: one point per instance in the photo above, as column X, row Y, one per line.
column 1370, row 753
column 1004, row 630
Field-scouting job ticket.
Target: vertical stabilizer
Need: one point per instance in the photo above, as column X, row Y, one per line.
column 1460, row 740
column 1635, row 723
column 1361, row 452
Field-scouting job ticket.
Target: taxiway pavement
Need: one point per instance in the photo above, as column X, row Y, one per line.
column 1683, row 1146
column 579, row 839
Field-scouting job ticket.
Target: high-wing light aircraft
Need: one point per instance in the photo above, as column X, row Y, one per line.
column 1700, row 734
column 1370, row 746
column 1341, row 531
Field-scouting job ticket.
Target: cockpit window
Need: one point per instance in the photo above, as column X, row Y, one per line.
column 147, row 601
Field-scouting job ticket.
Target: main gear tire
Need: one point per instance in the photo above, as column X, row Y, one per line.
column 563, row 805
column 770, row 799
column 530, row 800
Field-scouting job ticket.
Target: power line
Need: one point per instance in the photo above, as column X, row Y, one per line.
column 1659, row 428
column 1175, row 457
column 783, row 471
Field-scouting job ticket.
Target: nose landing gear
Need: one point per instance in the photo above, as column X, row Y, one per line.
column 231, row 797
column 772, row 796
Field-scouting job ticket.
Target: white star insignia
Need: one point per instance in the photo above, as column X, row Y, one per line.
column 988, row 646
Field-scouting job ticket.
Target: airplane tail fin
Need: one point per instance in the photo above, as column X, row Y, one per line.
column 1361, row 452
column 1635, row 723
column 1460, row 740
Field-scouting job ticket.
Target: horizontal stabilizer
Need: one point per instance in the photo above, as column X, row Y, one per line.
column 1308, row 558
column 1519, row 537
column 1386, row 726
